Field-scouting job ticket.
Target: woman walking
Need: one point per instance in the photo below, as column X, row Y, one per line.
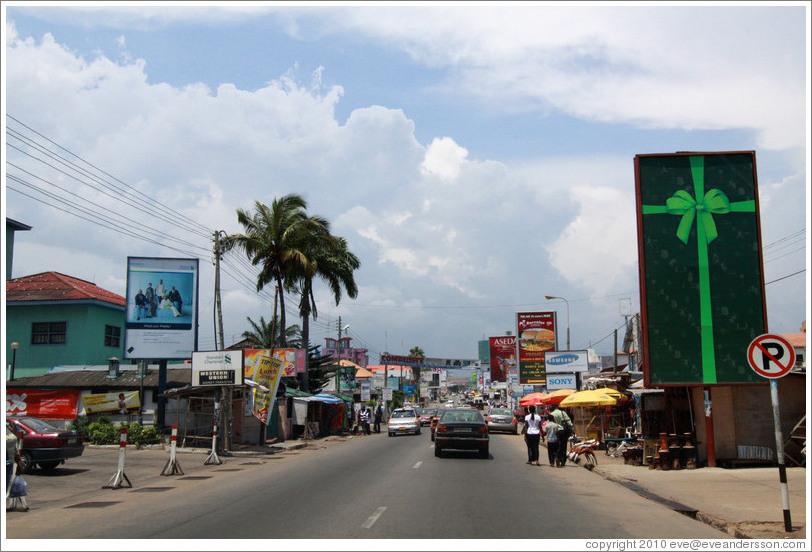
column 532, row 434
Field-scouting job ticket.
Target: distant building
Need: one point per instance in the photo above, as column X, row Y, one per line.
column 347, row 351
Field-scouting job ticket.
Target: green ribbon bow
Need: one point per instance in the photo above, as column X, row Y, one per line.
column 714, row 202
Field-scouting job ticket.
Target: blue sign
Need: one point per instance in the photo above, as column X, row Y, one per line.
column 565, row 361
column 409, row 388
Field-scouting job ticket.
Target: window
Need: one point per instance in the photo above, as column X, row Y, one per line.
column 112, row 336
column 48, row 333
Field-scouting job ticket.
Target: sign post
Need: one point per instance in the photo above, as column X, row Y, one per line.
column 773, row 357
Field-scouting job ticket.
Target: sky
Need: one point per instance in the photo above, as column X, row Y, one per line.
column 476, row 157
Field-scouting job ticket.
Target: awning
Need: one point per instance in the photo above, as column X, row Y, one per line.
column 326, row 398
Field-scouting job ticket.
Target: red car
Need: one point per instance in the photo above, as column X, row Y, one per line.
column 427, row 415
column 43, row 444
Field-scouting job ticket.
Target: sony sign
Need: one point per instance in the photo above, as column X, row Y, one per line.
column 557, row 362
column 560, row 381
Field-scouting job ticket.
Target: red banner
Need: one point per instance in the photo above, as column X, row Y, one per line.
column 503, row 356
column 58, row 404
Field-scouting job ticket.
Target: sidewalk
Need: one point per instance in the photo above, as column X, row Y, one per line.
column 743, row 502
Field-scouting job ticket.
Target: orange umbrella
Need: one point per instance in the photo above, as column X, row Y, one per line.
column 557, row 396
column 532, row 398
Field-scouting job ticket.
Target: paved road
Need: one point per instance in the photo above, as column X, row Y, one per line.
column 372, row 487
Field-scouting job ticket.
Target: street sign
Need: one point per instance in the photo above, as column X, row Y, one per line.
column 771, row 356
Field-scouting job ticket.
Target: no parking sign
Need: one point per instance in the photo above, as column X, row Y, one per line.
column 771, row 356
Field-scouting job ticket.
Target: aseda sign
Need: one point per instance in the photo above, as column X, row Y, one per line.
column 771, row 356
column 557, row 362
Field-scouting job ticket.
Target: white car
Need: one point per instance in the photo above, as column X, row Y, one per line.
column 404, row 420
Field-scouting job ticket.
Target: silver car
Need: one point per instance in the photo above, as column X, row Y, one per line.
column 404, row 420
column 502, row 419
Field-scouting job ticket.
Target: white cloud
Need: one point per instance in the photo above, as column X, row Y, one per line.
column 444, row 159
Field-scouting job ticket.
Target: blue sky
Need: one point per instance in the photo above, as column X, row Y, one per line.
column 476, row 157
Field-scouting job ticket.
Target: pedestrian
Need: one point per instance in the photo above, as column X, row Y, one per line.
column 532, row 434
column 378, row 418
column 552, row 430
column 562, row 419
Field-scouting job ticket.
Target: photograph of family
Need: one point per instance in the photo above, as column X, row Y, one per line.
column 158, row 299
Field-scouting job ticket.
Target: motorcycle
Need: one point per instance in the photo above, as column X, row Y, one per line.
column 586, row 450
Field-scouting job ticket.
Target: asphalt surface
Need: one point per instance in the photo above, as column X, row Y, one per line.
column 364, row 487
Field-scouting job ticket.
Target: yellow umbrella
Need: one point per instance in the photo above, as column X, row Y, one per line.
column 595, row 397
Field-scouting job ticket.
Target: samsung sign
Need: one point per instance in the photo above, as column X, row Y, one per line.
column 560, row 381
column 557, row 362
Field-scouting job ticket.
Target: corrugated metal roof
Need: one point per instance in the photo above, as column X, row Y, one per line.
column 97, row 379
column 53, row 286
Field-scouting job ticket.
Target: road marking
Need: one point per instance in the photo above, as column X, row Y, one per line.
column 418, row 464
column 374, row 517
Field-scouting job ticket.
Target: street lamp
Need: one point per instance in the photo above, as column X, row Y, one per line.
column 14, row 347
column 549, row 297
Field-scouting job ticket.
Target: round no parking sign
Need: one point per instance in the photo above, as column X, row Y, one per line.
column 771, row 356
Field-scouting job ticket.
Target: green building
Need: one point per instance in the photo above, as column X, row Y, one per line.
column 57, row 320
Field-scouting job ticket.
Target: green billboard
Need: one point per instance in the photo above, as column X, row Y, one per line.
column 701, row 272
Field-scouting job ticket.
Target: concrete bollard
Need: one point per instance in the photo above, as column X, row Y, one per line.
column 213, row 458
column 118, row 479
column 172, row 466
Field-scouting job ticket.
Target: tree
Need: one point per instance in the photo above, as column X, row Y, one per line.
column 276, row 238
column 263, row 335
column 328, row 258
column 417, row 352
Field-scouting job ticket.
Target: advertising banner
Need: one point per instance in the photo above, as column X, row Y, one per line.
column 111, row 402
column 557, row 362
column 268, row 374
column 346, row 378
column 161, row 312
column 503, row 356
column 366, row 387
column 59, row 404
column 293, row 361
column 561, row 381
column 217, row 368
column 443, row 378
column 536, row 333
column 387, row 393
column 701, row 271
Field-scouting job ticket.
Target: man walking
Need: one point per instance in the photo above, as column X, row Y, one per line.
column 562, row 419
column 365, row 420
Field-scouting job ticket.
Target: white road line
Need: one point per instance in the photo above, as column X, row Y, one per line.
column 374, row 517
column 418, row 464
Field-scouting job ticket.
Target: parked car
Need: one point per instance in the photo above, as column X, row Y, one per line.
column 44, row 444
column 461, row 429
column 427, row 415
column 404, row 420
column 502, row 419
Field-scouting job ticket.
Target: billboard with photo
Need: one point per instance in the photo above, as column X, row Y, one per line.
column 536, row 333
column 502, row 356
column 701, row 272
column 161, row 313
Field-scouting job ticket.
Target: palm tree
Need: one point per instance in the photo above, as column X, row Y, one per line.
column 276, row 238
column 263, row 335
column 332, row 261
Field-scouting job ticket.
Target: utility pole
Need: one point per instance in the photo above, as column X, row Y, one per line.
column 338, row 354
column 225, row 391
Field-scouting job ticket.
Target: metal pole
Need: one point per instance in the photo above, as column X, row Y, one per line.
column 14, row 347
column 779, row 450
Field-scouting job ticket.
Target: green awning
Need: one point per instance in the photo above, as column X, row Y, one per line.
column 342, row 397
column 290, row 392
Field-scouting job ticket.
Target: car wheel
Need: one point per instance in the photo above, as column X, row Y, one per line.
column 483, row 453
column 27, row 463
column 48, row 466
column 438, row 452
column 390, row 434
column 515, row 431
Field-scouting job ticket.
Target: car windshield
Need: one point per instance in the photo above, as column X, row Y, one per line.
column 403, row 414
column 462, row 416
column 501, row 412
column 39, row 426
column 430, row 412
